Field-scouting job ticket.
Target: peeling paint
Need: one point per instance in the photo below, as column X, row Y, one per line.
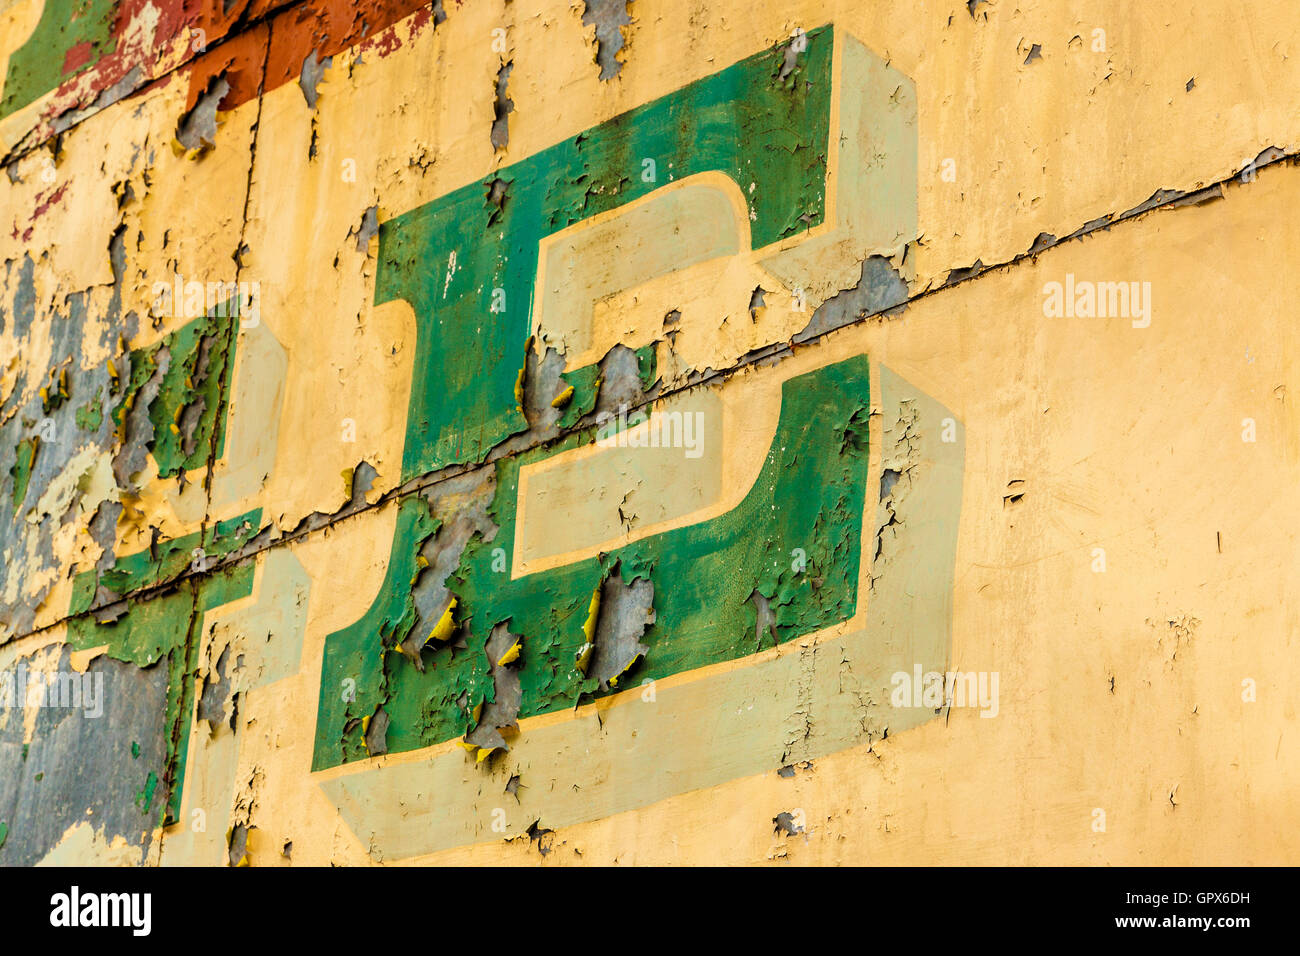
column 401, row 516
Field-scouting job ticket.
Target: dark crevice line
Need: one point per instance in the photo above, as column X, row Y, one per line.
column 188, row 664
column 228, row 376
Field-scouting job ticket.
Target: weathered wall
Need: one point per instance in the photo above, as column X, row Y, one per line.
column 334, row 530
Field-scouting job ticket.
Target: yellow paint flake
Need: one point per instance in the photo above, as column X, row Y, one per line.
column 446, row 624
column 510, row 656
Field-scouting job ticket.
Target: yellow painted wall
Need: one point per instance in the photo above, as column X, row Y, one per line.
column 1123, row 526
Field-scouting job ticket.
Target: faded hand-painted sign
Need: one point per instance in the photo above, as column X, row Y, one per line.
column 503, row 645
column 519, row 589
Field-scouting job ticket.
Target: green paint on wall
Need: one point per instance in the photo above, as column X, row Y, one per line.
column 647, row 366
column 448, row 257
column 144, row 799
column 21, row 470
column 196, row 362
column 166, row 560
column 809, row 495
column 91, row 415
column 82, row 28
column 354, row 680
column 192, row 392
column 165, row 627
column 455, row 258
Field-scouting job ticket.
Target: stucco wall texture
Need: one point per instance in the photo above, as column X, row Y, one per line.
column 644, row 432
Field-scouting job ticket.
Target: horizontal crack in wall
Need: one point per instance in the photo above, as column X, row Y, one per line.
column 1161, row 200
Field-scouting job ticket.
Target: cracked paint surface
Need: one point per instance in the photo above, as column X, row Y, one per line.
column 388, row 567
column 820, row 441
column 743, row 121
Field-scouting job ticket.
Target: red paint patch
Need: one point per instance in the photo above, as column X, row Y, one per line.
column 329, row 27
column 43, row 206
column 326, row 26
column 297, row 28
column 79, row 92
column 77, row 57
column 240, row 59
